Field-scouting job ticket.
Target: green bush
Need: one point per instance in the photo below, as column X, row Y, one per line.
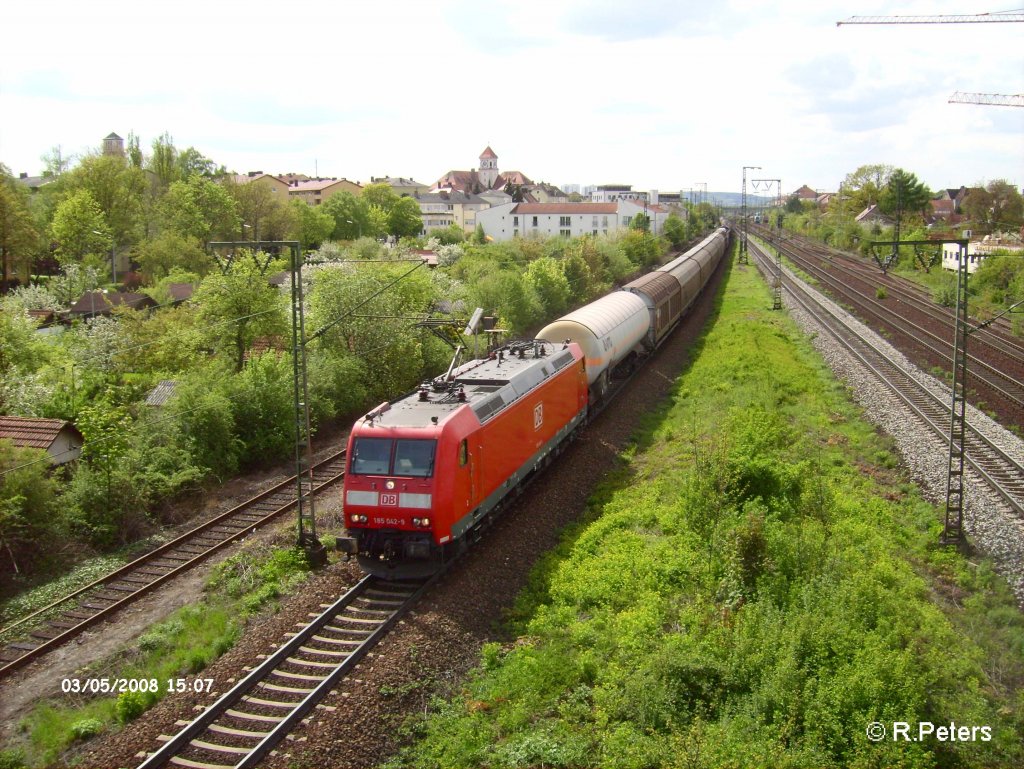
column 86, row 728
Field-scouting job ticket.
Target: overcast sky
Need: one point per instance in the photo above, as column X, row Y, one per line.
column 661, row 94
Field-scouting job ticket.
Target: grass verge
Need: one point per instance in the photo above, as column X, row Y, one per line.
column 755, row 586
column 181, row 646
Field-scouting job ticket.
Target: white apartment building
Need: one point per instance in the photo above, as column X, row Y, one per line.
column 567, row 220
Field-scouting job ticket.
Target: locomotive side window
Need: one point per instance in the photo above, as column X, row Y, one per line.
column 414, row 458
column 371, row 456
column 463, row 453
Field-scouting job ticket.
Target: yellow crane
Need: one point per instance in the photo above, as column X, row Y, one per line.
column 993, row 99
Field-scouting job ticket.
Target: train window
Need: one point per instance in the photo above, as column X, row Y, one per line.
column 371, row 456
column 414, row 458
column 463, row 453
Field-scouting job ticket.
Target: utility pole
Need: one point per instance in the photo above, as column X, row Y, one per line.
column 743, row 197
column 303, row 435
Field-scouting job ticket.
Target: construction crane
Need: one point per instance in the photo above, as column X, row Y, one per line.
column 994, row 99
column 991, row 99
column 962, row 18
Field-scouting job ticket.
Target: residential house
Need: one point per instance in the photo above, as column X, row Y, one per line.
column 316, row 191
column 403, row 187
column 276, row 184
column 93, row 303
column 871, row 215
column 445, row 208
column 629, row 209
column 60, row 439
column 513, row 220
column 979, row 250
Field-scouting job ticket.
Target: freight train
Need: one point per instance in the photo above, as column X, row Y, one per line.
column 426, row 473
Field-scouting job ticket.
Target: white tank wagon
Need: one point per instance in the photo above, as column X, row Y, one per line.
column 608, row 330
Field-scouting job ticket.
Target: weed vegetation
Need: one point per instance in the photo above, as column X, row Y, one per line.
column 754, row 587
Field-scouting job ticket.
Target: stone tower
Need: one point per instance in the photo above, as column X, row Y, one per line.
column 488, row 168
column 113, row 145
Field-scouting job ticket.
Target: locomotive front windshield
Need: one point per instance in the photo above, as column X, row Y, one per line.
column 384, row 456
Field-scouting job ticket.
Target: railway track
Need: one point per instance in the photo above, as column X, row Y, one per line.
column 245, row 723
column 996, row 360
column 999, row 471
column 64, row 619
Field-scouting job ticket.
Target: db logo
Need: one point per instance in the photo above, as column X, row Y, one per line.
column 389, row 499
column 538, row 416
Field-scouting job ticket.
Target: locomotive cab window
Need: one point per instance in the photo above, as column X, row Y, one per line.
column 371, row 456
column 414, row 458
column 463, row 453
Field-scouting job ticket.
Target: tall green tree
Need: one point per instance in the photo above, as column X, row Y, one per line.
column 351, row 215
column 864, row 186
column 120, row 190
column 170, row 252
column 313, row 225
column 904, row 194
column 19, row 238
column 79, row 228
column 240, row 305
column 997, row 206
column 163, row 162
column 200, row 208
column 675, row 230
column 404, row 219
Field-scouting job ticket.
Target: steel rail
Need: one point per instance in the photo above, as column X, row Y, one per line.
column 257, row 680
column 916, row 331
column 998, row 336
column 255, row 521
column 983, row 456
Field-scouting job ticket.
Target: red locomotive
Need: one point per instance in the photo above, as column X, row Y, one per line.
column 428, row 471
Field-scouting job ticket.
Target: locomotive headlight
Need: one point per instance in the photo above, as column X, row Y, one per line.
column 389, row 485
column 359, row 519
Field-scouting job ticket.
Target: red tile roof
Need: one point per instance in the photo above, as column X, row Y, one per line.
column 488, row 153
column 32, row 432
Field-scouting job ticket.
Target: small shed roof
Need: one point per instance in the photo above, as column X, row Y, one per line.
column 32, row 432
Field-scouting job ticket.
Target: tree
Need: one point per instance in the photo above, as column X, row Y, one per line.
column 19, row 238
column 261, row 210
column 641, row 222
column 163, row 163
column 79, row 228
column 376, row 332
column 380, row 194
column 239, row 306
column 200, row 208
column 864, row 186
column 903, row 193
column 549, row 283
column 313, row 225
column 55, row 163
column 350, row 214
column 405, row 219
column 118, row 187
column 170, row 252
column 28, row 515
column 192, row 161
column 675, row 230
column 998, row 206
